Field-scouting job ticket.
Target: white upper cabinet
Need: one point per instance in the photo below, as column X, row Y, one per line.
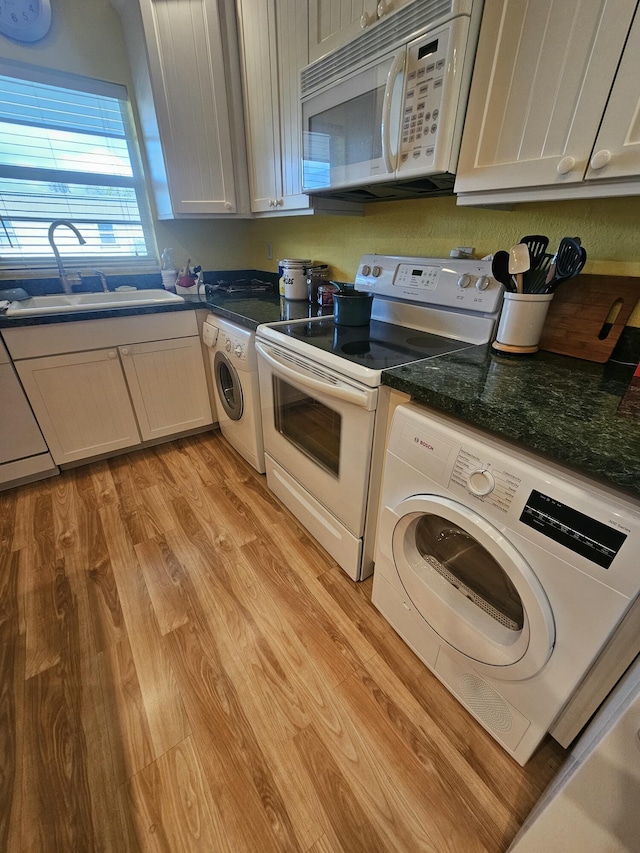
column 189, row 100
column 543, row 75
column 273, row 48
column 258, row 51
column 334, row 23
column 616, row 153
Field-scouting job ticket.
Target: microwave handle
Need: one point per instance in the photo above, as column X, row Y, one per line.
column 391, row 162
column 349, row 395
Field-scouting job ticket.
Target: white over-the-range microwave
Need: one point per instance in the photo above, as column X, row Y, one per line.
column 382, row 117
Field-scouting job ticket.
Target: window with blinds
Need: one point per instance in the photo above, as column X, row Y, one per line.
column 68, row 151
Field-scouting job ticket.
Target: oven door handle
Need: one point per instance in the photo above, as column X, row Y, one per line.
column 340, row 392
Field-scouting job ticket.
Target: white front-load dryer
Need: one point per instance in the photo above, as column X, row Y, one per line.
column 234, row 368
column 505, row 574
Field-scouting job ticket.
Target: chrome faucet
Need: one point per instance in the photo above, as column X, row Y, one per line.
column 66, row 279
column 99, row 274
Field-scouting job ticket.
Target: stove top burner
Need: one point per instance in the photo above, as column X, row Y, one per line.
column 377, row 346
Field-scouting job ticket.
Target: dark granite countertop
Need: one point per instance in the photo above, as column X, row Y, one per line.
column 564, row 408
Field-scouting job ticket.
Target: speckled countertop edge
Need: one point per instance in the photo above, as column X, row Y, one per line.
column 562, row 407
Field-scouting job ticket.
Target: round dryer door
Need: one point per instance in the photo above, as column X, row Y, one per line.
column 472, row 586
column 228, row 386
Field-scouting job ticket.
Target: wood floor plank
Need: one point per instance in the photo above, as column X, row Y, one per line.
column 424, row 765
column 56, row 797
column 233, row 760
column 108, row 829
column 342, row 809
column 42, row 613
column 172, row 807
column 162, row 699
column 126, row 718
column 11, row 695
column 165, row 579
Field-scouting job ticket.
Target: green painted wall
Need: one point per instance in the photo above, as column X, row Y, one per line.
column 609, row 229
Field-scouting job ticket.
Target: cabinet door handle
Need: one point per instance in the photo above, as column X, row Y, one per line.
column 279, row 202
column 381, row 9
column 112, row 354
column 565, row 165
column 125, row 351
column 365, row 20
column 600, row 159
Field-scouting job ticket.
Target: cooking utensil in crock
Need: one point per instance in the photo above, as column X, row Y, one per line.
column 571, row 270
column 569, row 260
column 519, row 263
column 352, row 308
column 500, row 270
column 537, row 245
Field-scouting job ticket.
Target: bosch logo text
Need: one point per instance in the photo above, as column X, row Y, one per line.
column 423, row 443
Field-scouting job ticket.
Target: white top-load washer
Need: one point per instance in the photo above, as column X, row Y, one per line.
column 506, row 574
column 235, row 381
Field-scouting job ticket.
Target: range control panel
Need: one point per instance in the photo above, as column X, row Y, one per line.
column 442, row 282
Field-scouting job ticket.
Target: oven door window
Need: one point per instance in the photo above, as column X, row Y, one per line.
column 309, row 425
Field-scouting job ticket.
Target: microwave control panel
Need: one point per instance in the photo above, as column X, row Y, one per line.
column 432, row 84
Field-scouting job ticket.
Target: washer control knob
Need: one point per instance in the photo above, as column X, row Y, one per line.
column 480, row 482
column 464, row 280
column 366, row 269
column 227, row 345
column 376, row 272
column 483, row 282
column 238, row 350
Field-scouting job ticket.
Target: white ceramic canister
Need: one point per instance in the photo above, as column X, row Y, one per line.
column 293, row 278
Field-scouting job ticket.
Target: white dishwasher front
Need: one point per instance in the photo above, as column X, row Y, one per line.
column 24, row 454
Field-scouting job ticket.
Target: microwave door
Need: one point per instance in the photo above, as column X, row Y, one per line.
column 348, row 135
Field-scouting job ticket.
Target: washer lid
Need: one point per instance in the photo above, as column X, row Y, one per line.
column 472, row 586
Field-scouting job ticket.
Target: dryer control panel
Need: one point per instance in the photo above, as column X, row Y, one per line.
column 590, row 538
column 484, row 481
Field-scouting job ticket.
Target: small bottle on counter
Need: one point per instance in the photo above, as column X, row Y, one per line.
column 317, row 274
column 168, row 270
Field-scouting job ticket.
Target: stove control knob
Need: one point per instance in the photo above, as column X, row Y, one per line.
column 237, row 350
column 464, row 280
column 227, row 346
column 376, row 272
column 480, row 482
column 483, row 282
column 366, row 269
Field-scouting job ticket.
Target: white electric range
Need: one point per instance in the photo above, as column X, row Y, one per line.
column 319, row 389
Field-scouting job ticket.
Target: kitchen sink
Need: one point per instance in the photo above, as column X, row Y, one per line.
column 59, row 303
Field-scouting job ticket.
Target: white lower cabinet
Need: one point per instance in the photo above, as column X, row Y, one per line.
column 167, row 385
column 93, row 402
column 81, row 402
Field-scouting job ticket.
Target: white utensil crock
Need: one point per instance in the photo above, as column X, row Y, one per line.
column 521, row 322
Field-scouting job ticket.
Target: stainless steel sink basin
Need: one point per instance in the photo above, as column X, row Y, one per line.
column 59, row 303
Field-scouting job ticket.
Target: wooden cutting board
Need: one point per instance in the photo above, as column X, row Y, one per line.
column 577, row 325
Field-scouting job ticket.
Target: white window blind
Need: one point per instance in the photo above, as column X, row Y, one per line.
column 68, row 151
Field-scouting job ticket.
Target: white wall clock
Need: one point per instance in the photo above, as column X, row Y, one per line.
column 25, row 20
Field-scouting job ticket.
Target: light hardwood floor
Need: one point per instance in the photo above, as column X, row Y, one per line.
column 183, row 669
